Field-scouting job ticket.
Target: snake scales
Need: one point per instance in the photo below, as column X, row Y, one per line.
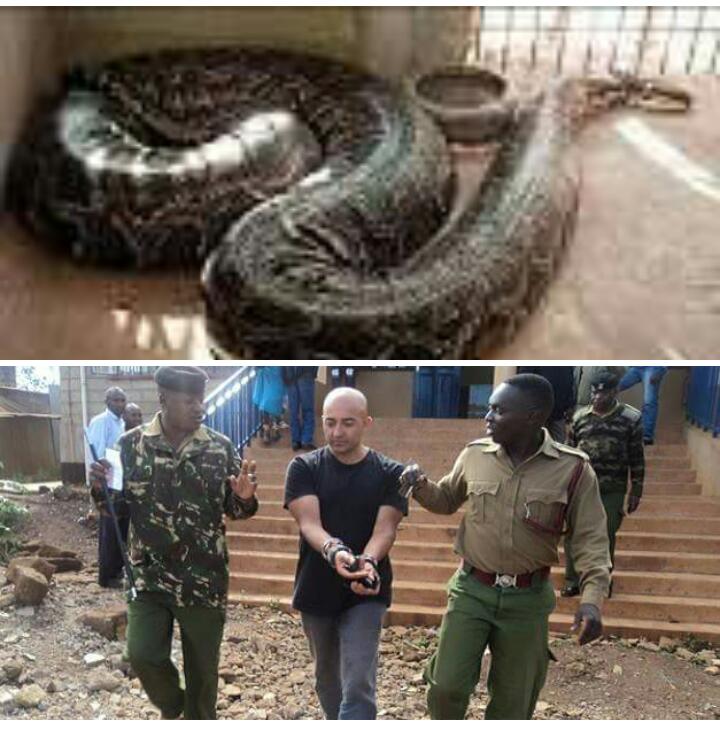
column 314, row 194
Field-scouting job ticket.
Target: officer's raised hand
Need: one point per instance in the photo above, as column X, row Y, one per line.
column 589, row 621
column 245, row 484
column 411, row 477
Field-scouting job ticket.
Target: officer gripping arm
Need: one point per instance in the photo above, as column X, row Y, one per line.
column 446, row 497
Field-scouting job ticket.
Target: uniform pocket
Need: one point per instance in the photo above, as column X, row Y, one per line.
column 480, row 495
column 545, row 511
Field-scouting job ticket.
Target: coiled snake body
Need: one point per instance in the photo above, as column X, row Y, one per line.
column 313, row 193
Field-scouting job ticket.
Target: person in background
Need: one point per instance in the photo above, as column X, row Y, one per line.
column 651, row 378
column 268, row 396
column 562, row 379
column 132, row 415
column 300, row 384
column 104, row 430
column 611, row 434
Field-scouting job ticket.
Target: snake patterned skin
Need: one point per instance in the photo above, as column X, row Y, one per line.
column 313, row 193
column 150, row 160
column 280, row 294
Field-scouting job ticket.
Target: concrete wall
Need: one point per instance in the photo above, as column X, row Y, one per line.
column 705, row 458
column 388, row 40
column 95, row 33
column 27, row 67
column 389, row 394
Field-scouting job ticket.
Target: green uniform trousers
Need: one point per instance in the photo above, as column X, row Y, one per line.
column 149, row 639
column 614, row 504
column 513, row 622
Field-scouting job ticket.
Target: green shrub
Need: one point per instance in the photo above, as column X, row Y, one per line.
column 12, row 516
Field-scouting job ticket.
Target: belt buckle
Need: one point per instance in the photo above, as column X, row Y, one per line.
column 505, row 581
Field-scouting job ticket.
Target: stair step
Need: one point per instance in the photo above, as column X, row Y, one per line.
column 689, row 489
column 672, row 542
column 272, row 488
column 673, row 609
column 706, row 530
column 702, row 509
column 647, row 543
column 670, row 525
column 421, row 566
column 432, row 591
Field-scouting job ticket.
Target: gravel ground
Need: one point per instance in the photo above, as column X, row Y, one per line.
column 266, row 670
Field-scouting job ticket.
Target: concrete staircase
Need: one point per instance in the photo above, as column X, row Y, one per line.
column 667, row 577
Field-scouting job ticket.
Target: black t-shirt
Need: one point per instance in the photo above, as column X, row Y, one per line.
column 350, row 497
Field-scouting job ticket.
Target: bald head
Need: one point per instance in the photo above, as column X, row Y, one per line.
column 345, row 418
column 348, row 398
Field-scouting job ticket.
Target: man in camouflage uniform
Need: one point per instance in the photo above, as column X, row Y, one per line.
column 611, row 434
column 522, row 490
column 179, row 479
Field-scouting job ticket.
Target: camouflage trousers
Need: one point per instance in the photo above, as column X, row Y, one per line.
column 149, row 639
column 614, row 504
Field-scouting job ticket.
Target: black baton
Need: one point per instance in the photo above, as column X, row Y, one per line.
column 118, row 536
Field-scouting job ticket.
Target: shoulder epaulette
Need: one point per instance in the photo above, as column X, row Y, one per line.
column 632, row 414
column 571, row 450
column 480, row 442
column 584, row 411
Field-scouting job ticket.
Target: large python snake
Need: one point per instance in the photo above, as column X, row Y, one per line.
column 314, row 195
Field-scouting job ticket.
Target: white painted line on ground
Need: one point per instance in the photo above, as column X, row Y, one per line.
column 655, row 148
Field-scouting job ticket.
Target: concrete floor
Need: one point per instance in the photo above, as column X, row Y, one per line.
column 641, row 279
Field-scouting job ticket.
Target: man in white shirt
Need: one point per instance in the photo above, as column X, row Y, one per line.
column 104, row 431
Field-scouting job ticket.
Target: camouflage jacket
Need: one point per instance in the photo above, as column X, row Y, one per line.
column 177, row 500
column 614, row 443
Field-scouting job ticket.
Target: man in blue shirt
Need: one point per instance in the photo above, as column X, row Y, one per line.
column 104, row 431
column 651, row 378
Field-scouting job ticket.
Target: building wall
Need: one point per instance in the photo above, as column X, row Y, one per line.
column 388, row 40
column 95, row 33
column 28, row 449
column 705, row 458
column 389, row 394
column 27, row 67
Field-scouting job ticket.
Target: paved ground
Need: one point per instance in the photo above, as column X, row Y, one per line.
column 642, row 278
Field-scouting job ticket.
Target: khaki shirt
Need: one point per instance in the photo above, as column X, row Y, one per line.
column 495, row 535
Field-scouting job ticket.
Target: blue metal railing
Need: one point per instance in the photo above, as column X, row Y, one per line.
column 230, row 409
column 703, row 402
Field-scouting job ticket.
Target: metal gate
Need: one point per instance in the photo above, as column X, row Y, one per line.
column 650, row 40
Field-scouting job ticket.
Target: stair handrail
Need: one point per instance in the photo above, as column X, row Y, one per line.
column 229, row 408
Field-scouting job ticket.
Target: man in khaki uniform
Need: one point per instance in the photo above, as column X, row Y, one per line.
column 523, row 491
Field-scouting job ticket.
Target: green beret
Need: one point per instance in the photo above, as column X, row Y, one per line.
column 605, row 380
column 182, row 378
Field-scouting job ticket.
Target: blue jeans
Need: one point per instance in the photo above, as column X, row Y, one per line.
column 345, row 649
column 651, row 394
column 301, row 402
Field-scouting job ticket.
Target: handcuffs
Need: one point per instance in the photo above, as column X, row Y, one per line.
column 334, row 545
